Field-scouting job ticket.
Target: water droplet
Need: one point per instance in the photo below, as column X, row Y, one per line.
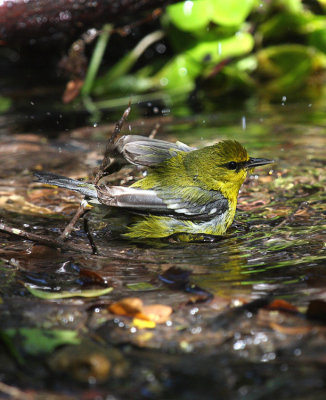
column 65, row 15
column 187, row 7
column 243, row 122
column 160, row 48
column 219, row 48
column 164, row 81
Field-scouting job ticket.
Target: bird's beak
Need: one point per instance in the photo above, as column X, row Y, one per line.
column 255, row 162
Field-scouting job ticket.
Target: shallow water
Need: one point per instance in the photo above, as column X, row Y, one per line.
column 217, row 341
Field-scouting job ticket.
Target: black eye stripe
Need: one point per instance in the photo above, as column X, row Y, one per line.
column 231, row 165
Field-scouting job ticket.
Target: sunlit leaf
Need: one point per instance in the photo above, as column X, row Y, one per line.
column 231, row 12
column 43, row 294
column 134, row 307
column 143, row 324
column 294, row 6
column 184, row 68
column 190, row 15
column 158, row 313
column 193, row 15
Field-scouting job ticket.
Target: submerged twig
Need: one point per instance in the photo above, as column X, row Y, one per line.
column 90, row 237
column 301, row 206
column 57, row 243
column 79, row 213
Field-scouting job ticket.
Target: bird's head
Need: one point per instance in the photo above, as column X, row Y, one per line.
column 223, row 166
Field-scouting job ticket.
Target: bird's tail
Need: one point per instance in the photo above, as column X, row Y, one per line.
column 87, row 189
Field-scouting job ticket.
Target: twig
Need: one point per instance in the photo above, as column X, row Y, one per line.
column 90, row 237
column 33, row 237
column 80, row 212
column 106, row 162
column 154, row 130
column 303, row 205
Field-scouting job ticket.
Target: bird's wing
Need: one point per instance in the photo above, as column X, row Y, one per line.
column 132, row 198
column 192, row 202
column 141, row 150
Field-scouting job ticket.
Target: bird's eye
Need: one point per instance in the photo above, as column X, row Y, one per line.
column 232, row 165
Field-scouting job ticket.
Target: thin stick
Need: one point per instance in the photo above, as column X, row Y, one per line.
column 106, row 162
column 33, row 237
column 154, row 130
column 90, row 237
column 303, row 205
column 80, row 212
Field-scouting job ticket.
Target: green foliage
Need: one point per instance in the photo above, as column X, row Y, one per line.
column 272, row 48
column 5, row 104
column 34, row 341
column 192, row 15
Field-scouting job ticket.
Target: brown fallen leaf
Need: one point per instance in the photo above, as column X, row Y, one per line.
column 129, row 306
column 281, row 305
column 291, row 330
column 72, row 90
column 19, row 204
column 158, row 313
column 133, row 307
column 90, row 276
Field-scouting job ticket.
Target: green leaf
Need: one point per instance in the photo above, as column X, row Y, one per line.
column 190, row 15
column 294, row 6
column 96, row 59
column 288, row 66
column 231, row 12
column 116, row 78
column 183, row 69
column 140, row 286
column 318, row 39
column 35, row 340
column 43, row 294
column 5, row 104
column 193, row 15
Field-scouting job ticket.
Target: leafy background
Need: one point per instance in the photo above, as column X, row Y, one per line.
column 212, row 48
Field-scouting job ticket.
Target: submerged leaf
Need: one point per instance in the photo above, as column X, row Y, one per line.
column 140, row 286
column 43, row 294
column 143, row 324
column 158, row 313
column 35, row 340
column 134, row 307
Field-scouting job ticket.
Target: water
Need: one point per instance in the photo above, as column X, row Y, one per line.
column 218, row 341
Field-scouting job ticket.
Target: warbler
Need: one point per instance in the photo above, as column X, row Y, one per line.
column 186, row 191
